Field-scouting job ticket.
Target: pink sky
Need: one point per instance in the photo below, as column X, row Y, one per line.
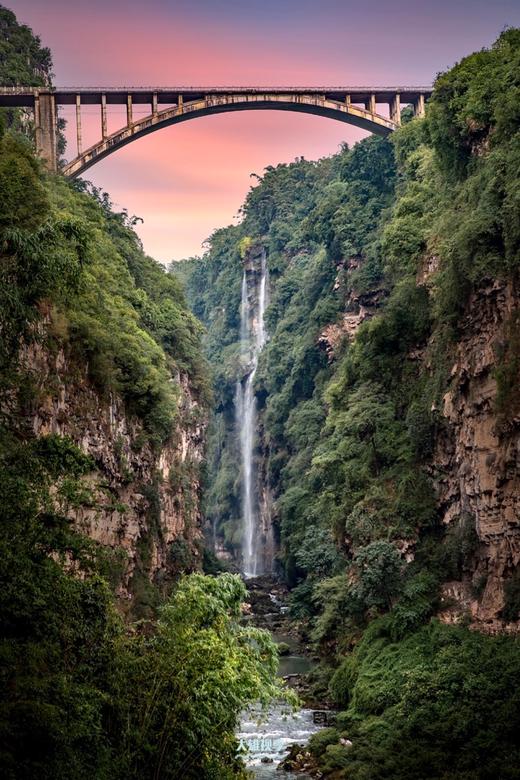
column 187, row 180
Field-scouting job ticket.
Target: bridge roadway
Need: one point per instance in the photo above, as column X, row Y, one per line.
column 355, row 105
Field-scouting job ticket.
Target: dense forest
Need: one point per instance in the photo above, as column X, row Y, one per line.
column 377, row 257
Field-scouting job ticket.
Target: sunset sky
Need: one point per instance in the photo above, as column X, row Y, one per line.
column 187, row 180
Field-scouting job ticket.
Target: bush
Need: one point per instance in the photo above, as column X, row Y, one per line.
column 320, row 741
column 440, row 703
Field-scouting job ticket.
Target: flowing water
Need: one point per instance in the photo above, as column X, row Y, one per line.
column 270, row 739
column 266, row 739
column 252, row 339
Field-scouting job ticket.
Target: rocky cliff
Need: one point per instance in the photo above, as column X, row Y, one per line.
column 477, row 457
column 141, row 501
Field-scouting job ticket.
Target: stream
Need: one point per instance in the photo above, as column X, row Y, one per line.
column 266, row 738
column 269, row 740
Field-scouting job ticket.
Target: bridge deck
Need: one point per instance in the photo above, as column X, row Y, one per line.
column 24, row 96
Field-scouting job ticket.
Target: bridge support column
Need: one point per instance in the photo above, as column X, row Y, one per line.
column 129, row 121
column 395, row 109
column 418, row 106
column 78, row 123
column 154, row 107
column 45, row 122
column 103, row 116
column 370, row 104
column 180, row 104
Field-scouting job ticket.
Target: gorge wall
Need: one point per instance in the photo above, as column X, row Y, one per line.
column 387, row 420
column 100, row 355
column 142, row 499
column 476, row 460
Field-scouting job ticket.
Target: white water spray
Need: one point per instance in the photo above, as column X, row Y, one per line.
column 252, row 339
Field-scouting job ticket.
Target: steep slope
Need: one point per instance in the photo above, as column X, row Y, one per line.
column 108, row 359
column 389, row 423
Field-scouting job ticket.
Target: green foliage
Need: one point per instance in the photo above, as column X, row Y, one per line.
column 380, row 567
column 68, row 252
column 37, row 266
column 179, row 693
column 341, row 459
column 23, row 200
column 57, row 629
column 317, row 554
column 22, row 58
column 477, row 97
column 84, row 696
column 408, row 230
column 23, row 61
column 473, row 126
column 441, row 703
column 319, row 742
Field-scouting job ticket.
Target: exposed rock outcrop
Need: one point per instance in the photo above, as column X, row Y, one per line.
column 359, row 306
column 477, row 460
column 144, row 499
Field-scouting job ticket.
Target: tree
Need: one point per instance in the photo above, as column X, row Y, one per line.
column 180, row 693
column 23, row 60
column 379, row 568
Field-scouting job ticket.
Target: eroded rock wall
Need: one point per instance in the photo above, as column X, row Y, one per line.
column 476, row 465
column 144, row 498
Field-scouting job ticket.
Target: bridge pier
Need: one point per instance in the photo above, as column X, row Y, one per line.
column 103, row 116
column 129, row 119
column 78, row 124
column 46, row 127
column 370, row 104
column 418, row 106
column 395, row 108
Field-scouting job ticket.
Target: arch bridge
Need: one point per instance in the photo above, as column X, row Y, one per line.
column 359, row 106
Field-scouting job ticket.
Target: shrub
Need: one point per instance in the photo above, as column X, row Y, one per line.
column 320, row 741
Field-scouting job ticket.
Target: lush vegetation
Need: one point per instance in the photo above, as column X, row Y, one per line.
column 406, row 229
column 83, row 692
column 23, row 60
column 84, row 695
column 440, row 703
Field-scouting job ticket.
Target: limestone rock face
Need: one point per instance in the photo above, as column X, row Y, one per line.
column 476, row 465
column 359, row 306
column 144, row 499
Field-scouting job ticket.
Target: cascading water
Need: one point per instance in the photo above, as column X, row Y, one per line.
column 252, row 339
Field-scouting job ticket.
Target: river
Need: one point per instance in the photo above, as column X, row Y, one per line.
column 269, row 737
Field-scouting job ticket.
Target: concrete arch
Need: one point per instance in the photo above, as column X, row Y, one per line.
column 222, row 103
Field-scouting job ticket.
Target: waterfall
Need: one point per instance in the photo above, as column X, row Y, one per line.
column 252, row 339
